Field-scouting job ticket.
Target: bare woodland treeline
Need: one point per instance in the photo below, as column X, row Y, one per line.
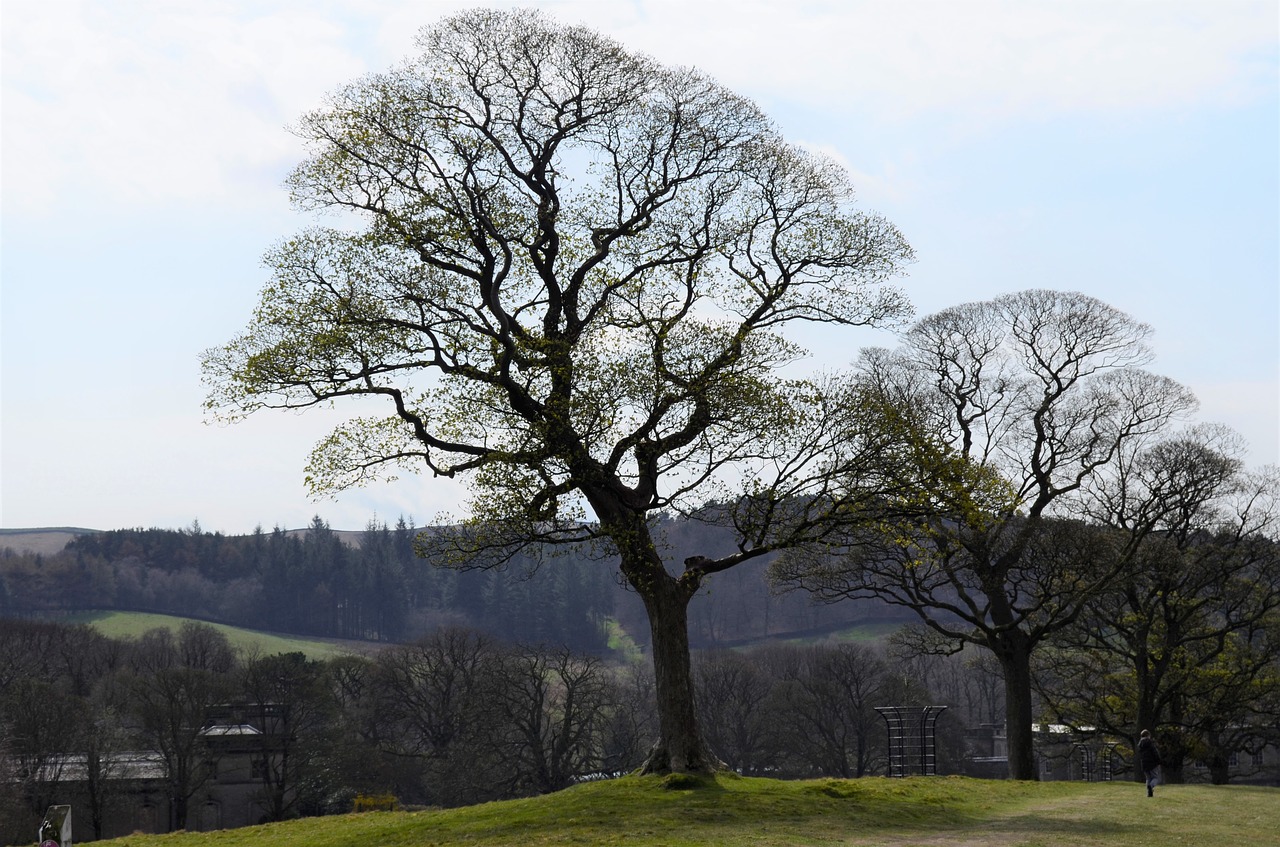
column 1187, row 639
column 453, row 718
column 1183, row 636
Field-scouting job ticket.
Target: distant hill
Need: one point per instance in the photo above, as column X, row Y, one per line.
column 318, row 582
column 49, row 540
column 44, row 541
column 371, row 586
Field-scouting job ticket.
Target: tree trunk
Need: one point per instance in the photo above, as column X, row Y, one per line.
column 178, row 815
column 1219, row 768
column 679, row 747
column 1173, row 755
column 1173, row 744
column 93, row 785
column 1014, row 655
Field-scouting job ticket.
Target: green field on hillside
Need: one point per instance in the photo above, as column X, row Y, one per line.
column 134, row 624
column 731, row 811
column 866, row 633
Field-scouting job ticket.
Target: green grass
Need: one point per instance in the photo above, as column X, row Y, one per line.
column 863, row 633
column 730, row 811
column 868, row 632
column 621, row 643
column 134, row 624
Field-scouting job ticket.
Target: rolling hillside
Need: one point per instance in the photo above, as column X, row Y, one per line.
column 45, row 542
column 371, row 586
column 132, row 624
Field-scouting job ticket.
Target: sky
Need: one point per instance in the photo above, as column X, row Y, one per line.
column 1126, row 149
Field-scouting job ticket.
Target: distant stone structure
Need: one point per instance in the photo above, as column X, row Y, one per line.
column 139, row 799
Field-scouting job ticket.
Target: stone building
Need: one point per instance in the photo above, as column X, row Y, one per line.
column 132, row 788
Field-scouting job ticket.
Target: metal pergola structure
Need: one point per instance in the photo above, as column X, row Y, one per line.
column 1096, row 761
column 912, row 741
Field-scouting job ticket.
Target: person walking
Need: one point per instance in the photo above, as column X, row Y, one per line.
column 1149, row 760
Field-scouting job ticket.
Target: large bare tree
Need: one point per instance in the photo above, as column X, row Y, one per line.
column 1015, row 403
column 566, row 272
column 1184, row 641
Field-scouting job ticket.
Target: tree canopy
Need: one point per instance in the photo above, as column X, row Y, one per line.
column 1017, row 403
column 1184, row 642
column 567, row 272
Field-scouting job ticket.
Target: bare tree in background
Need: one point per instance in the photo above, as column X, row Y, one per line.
column 1017, row 403
column 1188, row 634
column 170, row 701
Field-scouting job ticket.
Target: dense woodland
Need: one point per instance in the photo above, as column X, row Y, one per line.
column 309, row 583
column 371, row 586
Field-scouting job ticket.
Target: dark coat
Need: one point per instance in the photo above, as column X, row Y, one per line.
column 1148, row 754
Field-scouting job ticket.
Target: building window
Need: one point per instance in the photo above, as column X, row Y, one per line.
column 258, row 768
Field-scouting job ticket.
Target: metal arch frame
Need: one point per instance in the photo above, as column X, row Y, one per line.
column 1097, row 761
column 912, row 739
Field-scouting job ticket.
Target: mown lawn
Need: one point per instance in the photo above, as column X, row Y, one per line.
column 732, row 811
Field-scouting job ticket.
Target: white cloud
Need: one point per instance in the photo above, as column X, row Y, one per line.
column 872, row 189
column 144, row 144
column 145, row 103
column 148, row 102
column 1251, row 408
column 986, row 59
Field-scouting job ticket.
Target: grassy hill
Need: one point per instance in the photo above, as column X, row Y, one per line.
column 733, row 812
column 50, row 540
column 133, row 624
column 45, row 541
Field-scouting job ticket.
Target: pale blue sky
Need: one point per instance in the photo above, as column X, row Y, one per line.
column 1127, row 149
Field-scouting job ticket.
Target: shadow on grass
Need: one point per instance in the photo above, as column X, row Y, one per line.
column 692, row 782
column 1049, row 825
